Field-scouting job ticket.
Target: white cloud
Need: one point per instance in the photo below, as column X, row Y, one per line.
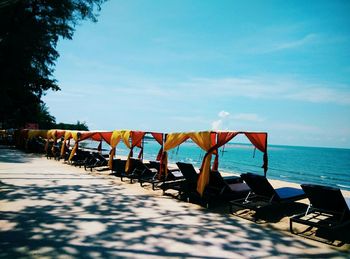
column 223, row 114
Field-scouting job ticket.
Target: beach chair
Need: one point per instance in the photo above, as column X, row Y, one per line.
column 136, row 169
column 328, row 210
column 231, row 187
column 118, row 167
column 189, row 186
column 263, row 194
column 218, row 190
column 97, row 160
column 139, row 170
column 80, row 158
column 163, row 182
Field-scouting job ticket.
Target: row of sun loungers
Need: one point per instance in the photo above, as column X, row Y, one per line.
column 328, row 208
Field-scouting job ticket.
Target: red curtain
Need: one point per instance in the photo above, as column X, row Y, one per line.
column 136, row 141
column 259, row 140
column 221, row 139
column 159, row 138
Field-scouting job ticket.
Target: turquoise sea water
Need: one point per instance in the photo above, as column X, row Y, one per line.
column 327, row 166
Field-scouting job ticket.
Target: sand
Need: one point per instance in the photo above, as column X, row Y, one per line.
column 50, row 209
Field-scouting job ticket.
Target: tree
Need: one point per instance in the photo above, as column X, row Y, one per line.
column 45, row 119
column 67, row 126
column 29, row 32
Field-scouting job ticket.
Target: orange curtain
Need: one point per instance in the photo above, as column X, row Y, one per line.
column 106, row 136
column 221, row 139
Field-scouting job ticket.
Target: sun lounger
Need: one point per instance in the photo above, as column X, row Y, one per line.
column 80, row 158
column 217, row 190
column 230, row 187
column 328, row 209
column 263, row 194
column 118, row 167
column 139, row 170
column 97, row 160
column 173, row 175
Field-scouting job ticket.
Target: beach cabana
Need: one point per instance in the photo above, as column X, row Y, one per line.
column 135, row 167
column 68, row 135
column 32, row 141
column 37, row 133
column 154, row 165
column 211, row 141
column 80, row 136
column 53, row 135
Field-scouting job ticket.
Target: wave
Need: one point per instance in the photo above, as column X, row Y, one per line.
column 343, row 186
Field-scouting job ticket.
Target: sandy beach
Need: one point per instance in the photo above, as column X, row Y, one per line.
column 50, row 209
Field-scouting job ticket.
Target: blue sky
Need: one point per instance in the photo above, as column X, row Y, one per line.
column 276, row 66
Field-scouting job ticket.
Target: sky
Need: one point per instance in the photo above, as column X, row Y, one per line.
column 181, row 65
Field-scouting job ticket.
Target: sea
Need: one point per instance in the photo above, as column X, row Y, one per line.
column 317, row 165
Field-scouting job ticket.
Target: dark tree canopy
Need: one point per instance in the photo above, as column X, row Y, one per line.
column 67, row 126
column 29, row 32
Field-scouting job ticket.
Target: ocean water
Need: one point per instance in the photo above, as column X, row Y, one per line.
column 326, row 166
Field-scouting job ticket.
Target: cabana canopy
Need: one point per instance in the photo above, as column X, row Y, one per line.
column 133, row 139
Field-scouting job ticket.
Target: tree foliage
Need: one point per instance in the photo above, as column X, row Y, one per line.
column 67, row 126
column 29, row 33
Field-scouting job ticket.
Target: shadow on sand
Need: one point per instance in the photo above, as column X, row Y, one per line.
column 99, row 222
column 13, row 155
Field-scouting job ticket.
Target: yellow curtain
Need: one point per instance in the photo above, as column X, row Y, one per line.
column 117, row 135
column 175, row 139
column 203, row 140
column 67, row 135
column 37, row 133
column 172, row 140
column 31, row 134
column 74, row 134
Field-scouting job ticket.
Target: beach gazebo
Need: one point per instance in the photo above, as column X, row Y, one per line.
column 210, row 142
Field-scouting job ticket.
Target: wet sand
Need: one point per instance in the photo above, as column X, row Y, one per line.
column 50, row 209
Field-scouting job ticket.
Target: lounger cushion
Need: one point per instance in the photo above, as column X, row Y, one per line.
column 286, row 193
column 239, row 187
